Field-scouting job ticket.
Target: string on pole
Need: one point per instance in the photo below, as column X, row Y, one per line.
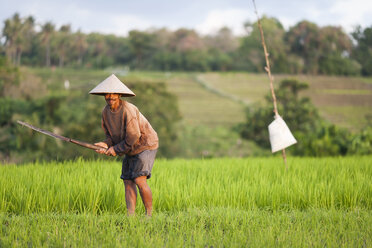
column 268, row 70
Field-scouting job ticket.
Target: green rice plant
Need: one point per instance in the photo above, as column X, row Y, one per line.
column 250, row 202
column 247, row 184
column 193, row 227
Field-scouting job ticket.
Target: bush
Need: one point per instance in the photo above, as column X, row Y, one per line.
column 325, row 140
column 299, row 113
column 361, row 144
column 337, row 65
column 9, row 75
column 315, row 136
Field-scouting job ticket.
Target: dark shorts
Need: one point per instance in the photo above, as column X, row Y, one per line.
column 138, row 165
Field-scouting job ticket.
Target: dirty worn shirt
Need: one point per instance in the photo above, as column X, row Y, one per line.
column 128, row 130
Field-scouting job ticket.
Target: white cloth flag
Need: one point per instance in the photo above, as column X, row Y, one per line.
column 280, row 135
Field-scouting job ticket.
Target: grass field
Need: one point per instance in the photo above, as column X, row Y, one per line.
column 200, row 203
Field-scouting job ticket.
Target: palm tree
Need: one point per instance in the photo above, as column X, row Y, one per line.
column 11, row 31
column 81, row 46
column 25, row 36
column 18, row 34
column 63, row 42
column 46, row 33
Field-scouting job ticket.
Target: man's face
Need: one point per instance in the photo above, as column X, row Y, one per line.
column 112, row 99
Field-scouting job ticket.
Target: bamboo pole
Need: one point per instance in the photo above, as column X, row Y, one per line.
column 268, row 70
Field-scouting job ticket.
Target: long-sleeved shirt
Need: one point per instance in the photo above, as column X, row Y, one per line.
column 128, row 130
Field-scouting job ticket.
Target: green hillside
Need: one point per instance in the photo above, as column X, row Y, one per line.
column 211, row 105
column 218, row 99
column 344, row 101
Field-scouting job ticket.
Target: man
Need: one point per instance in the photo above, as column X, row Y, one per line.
column 128, row 133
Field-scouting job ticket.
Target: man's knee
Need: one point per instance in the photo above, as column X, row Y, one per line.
column 129, row 183
column 141, row 181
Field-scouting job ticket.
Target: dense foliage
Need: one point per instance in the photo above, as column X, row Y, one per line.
column 9, row 75
column 363, row 50
column 315, row 136
column 304, row 48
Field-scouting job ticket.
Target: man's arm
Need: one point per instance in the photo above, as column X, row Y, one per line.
column 106, row 143
column 132, row 136
column 108, row 139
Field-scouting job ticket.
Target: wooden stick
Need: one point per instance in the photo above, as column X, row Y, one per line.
column 268, row 70
column 285, row 159
column 77, row 142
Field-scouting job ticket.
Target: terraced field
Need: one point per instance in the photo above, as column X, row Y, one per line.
column 345, row 101
column 218, row 99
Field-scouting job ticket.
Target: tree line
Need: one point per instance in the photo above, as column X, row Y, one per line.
column 304, row 48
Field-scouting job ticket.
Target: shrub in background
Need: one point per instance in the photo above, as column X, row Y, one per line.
column 315, row 136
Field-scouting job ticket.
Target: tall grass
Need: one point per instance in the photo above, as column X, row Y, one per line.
column 94, row 187
column 218, row 227
column 250, row 202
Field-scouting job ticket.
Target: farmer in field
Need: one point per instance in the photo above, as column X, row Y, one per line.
column 128, row 133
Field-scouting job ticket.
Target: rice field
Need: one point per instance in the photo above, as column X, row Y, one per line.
column 227, row 202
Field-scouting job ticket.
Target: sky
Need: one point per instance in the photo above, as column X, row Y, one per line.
column 205, row 16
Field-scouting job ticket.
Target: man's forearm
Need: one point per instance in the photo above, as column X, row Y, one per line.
column 122, row 147
column 108, row 142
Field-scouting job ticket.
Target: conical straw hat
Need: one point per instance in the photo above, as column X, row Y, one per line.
column 112, row 85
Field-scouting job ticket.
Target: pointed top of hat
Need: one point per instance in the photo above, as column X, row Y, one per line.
column 112, row 85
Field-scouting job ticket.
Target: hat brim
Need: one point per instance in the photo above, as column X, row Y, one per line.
column 104, row 93
column 112, row 85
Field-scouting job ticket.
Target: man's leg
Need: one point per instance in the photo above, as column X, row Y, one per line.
column 145, row 193
column 130, row 196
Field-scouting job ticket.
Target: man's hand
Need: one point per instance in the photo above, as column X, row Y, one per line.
column 104, row 147
column 110, row 152
column 101, row 144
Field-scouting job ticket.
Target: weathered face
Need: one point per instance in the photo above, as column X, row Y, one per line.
column 112, row 99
